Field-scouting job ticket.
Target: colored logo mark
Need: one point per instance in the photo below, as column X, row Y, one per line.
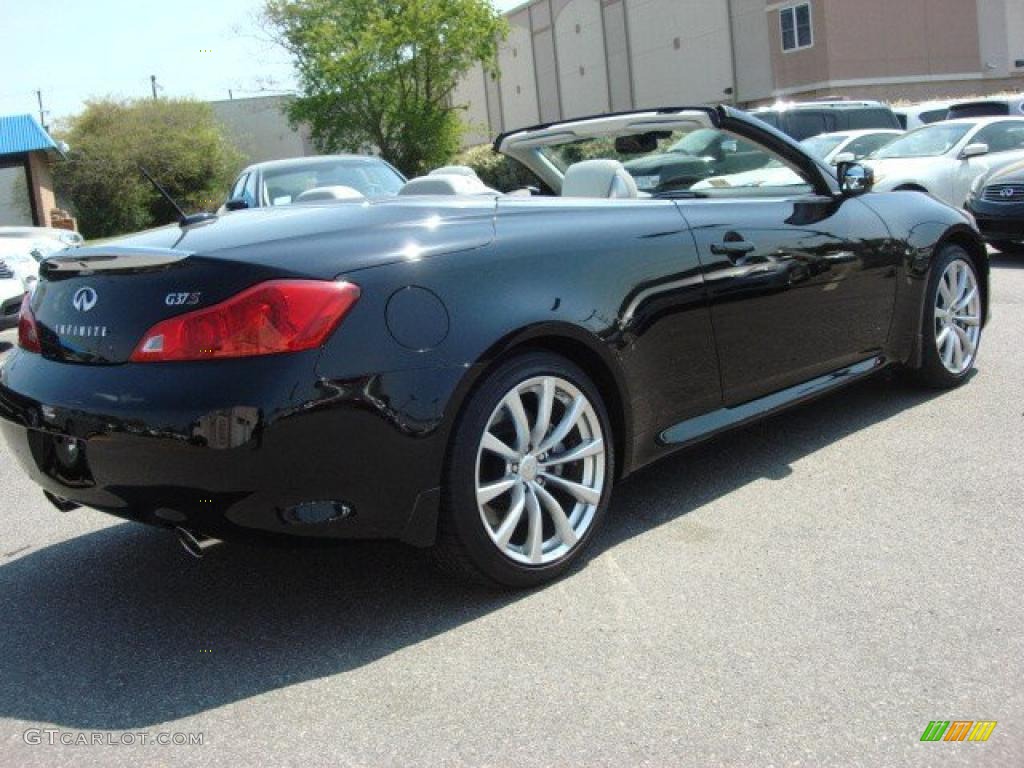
column 959, row 730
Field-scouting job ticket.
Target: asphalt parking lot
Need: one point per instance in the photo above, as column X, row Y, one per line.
column 809, row 591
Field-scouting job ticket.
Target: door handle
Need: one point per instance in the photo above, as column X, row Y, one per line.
column 734, row 249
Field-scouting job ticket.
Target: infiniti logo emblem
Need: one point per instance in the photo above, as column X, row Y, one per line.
column 1008, row 192
column 84, row 299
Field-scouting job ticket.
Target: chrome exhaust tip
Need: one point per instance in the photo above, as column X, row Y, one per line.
column 192, row 543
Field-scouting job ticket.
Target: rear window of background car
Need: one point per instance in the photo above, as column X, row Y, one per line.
column 802, row 124
column 859, row 119
column 933, row 116
column 979, row 109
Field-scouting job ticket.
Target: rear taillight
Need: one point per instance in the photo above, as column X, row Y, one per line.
column 267, row 319
column 28, row 331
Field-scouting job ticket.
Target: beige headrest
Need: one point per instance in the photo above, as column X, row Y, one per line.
column 598, row 178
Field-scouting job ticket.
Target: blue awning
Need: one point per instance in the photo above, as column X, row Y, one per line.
column 21, row 133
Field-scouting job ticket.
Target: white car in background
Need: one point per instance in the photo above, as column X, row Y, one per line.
column 21, row 250
column 831, row 148
column 944, row 159
column 914, row 116
column 848, row 146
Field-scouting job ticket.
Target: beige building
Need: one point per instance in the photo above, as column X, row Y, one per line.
column 566, row 58
column 259, row 128
column 901, row 49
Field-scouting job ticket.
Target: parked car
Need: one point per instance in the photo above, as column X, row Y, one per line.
column 913, row 116
column 695, row 156
column 944, row 159
column 21, row 250
column 1012, row 106
column 475, row 373
column 311, row 179
column 850, row 146
column 997, row 203
column 802, row 120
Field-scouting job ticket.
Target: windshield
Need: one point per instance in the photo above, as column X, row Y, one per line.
column 371, row 178
column 929, row 141
column 820, row 146
column 683, row 163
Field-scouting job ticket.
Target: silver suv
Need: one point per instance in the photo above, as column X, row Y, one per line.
column 802, row 120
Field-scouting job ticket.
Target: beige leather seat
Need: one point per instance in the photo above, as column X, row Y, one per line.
column 336, row 192
column 453, row 170
column 446, row 184
column 598, row 178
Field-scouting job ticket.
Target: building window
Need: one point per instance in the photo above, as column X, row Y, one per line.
column 796, row 27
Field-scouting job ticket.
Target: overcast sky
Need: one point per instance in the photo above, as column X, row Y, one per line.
column 76, row 49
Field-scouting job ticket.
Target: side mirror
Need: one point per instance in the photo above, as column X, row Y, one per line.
column 855, row 179
column 236, row 204
column 974, row 150
column 844, row 157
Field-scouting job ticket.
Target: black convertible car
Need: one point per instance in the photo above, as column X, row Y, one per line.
column 473, row 372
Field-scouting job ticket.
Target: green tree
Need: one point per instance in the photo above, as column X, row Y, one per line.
column 178, row 141
column 381, row 74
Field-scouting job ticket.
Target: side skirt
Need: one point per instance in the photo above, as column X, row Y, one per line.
column 701, row 427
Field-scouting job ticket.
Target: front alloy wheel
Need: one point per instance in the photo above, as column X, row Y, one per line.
column 953, row 319
column 958, row 317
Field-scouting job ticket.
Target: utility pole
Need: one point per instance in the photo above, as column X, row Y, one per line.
column 152, row 83
column 734, row 90
column 42, row 112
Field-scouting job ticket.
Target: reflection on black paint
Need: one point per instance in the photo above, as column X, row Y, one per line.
column 817, row 291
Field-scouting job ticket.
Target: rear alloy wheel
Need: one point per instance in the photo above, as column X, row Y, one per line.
column 953, row 320
column 537, row 446
column 540, row 474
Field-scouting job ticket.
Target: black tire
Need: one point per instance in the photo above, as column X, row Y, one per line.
column 464, row 548
column 1008, row 247
column 933, row 373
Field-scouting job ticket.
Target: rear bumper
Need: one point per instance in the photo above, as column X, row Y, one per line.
column 232, row 448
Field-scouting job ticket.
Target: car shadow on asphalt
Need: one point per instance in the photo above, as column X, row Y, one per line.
column 119, row 630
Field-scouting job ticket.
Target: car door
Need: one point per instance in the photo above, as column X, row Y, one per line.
column 1005, row 140
column 800, row 282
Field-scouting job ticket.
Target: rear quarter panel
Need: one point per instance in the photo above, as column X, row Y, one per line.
column 620, row 278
